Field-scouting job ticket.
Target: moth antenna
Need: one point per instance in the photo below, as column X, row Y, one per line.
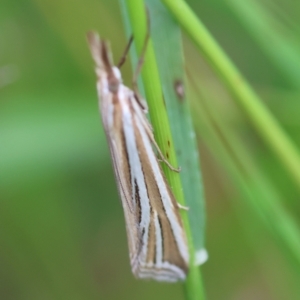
column 124, row 56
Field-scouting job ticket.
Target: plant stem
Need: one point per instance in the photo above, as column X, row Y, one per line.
column 261, row 118
column 159, row 119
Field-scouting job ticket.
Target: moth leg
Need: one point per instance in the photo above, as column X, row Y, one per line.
column 151, row 137
column 162, row 158
column 186, row 208
column 124, row 56
column 149, row 132
column 140, row 100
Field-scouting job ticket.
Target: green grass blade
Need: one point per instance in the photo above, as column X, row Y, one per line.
column 136, row 13
column 274, row 40
column 263, row 121
column 166, row 35
column 257, row 190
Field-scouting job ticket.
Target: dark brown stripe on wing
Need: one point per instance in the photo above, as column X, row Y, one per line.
column 138, row 202
column 151, row 249
column 122, row 154
column 171, row 252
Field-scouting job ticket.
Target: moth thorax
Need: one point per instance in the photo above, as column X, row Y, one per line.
column 114, row 80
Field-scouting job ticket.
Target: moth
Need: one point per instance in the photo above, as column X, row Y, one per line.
column 156, row 238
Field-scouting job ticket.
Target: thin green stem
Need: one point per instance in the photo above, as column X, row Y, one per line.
column 159, row 119
column 264, row 122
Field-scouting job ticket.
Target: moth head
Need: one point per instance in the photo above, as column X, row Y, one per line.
column 114, row 79
column 100, row 51
column 113, row 74
column 101, row 54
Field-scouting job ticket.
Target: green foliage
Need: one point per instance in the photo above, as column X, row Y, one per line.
column 62, row 228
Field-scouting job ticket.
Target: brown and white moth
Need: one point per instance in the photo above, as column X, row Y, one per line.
column 157, row 241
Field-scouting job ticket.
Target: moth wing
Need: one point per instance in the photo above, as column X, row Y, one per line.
column 112, row 120
column 164, row 253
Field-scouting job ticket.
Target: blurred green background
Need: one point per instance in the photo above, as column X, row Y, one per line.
column 62, row 233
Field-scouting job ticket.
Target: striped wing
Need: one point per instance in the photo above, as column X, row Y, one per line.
column 157, row 242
